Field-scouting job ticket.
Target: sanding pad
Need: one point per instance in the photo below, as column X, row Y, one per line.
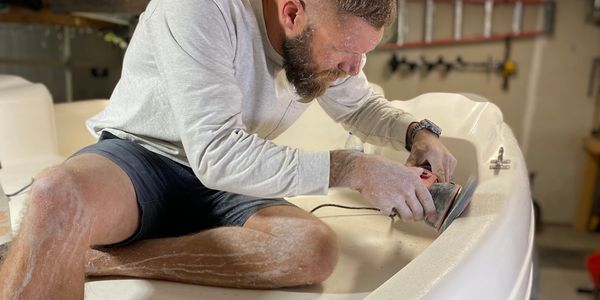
column 444, row 196
column 461, row 202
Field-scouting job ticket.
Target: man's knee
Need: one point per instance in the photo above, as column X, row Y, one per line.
column 318, row 252
column 55, row 195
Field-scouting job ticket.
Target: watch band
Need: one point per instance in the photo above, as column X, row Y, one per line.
column 423, row 124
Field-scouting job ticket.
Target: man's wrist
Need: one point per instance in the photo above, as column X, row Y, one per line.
column 342, row 166
column 407, row 139
column 417, row 127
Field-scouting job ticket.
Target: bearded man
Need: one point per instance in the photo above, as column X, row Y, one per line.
column 184, row 183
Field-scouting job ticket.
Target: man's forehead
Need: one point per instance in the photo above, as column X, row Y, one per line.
column 352, row 34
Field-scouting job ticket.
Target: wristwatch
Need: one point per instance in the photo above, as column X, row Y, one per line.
column 423, row 124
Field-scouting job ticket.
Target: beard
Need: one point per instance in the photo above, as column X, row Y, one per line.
column 299, row 66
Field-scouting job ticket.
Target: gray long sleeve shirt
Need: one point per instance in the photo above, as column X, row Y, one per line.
column 202, row 85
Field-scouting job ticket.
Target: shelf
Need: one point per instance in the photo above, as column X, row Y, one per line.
column 45, row 16
column 463, row 40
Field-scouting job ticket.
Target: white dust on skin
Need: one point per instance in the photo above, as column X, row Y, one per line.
column 49, row 238
column 236, row 256
column 4, row 223
column 389, row 185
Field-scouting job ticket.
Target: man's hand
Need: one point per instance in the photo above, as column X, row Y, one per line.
column 386, row 184
column 427, row 147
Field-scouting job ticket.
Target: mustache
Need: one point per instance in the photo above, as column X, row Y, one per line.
column 327, row 75
column 316, row 84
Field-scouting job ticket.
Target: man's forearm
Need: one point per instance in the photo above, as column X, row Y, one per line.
column 343, row 164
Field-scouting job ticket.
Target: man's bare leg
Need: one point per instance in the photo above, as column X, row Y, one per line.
column 278, row 246
column 85, row 201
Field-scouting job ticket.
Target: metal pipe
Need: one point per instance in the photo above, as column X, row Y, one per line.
column 487, row 24
column 402, row 27
column 549, row 16
column 458, row 19
column 517, row 24
column 429, row 12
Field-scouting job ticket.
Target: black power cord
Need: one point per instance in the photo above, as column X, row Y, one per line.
column 343, row 206
column 394, row 211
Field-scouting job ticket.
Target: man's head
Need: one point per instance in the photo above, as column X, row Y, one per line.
column 326, row 39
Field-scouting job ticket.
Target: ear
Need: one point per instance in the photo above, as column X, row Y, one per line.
column 292, row 17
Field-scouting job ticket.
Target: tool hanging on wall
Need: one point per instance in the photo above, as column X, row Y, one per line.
column 403, row 64
column 421, row 64
column 506, row 68
column 486, row 66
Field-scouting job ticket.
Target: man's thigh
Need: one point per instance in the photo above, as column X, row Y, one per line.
column 108, row 192
column 171, row 201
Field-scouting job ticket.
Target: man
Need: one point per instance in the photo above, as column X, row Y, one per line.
column 184, row 166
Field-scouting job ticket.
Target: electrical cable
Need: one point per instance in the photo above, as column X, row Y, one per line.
column 342, row 206
column 21, row 190
column 392, row 215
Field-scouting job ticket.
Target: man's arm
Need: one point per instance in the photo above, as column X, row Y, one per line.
column 370, row 116
column 355, row 105
column 386, row 184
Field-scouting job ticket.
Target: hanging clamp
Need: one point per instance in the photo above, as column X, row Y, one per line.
column 500, row 163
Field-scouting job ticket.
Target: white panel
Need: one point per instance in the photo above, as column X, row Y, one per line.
column 27, row 127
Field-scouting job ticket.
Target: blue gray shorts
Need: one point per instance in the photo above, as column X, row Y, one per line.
column 171, row 199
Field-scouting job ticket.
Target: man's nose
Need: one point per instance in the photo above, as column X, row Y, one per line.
column 351, row 66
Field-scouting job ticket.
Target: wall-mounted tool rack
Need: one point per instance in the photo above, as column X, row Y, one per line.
column 429, row 7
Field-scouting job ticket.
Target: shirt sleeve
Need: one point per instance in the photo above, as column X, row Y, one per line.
column 194, row 48
column 353, row 103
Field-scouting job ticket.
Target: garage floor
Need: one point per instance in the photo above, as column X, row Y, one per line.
column 561, row 253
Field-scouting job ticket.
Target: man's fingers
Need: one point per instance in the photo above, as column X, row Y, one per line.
column 450, row 166
column 411, row 161
column 425, row 199
column 405, row 212
column 446, row 171
column 414, row 160
column 453, row 164
column 438, row 168
column 417, row 170
column 388, row 210
column 416, row 208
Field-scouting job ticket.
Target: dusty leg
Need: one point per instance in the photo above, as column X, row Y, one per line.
column 85, row 201
column 278, row 246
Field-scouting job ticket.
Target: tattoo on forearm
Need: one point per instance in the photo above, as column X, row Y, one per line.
column 342, row 165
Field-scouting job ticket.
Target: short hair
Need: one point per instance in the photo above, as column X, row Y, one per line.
column 377, row 13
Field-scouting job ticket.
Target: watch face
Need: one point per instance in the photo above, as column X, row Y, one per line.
column 431, row 126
